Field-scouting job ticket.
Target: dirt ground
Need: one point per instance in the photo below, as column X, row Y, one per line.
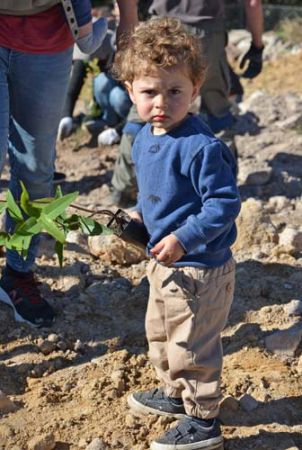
column 67, row 387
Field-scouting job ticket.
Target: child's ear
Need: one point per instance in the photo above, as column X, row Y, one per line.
column 128, row 86
column 196, row 91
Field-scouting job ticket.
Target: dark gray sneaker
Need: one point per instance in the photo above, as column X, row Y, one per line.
column 156, row 402
column 191, row 433
column 20, row 291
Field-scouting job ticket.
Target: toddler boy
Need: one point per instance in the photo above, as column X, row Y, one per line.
column 188, row 201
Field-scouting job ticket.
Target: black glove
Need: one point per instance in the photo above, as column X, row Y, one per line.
column 254, row 59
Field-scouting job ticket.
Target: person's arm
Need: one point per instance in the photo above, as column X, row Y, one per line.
column 254, row 23
column 212, row 175
column 254, row 20
column 128, row 16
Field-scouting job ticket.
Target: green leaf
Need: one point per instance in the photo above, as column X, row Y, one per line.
column 3, row 238
column 12, row 207
column 72, row 222
column 3, row 206
column 93, row 228
column 30, row 227
column 40, row 203
column 58, row 206
column 26, row 204
column 58, row 193
column 59, row 247
column 19, row 242
column 51, row 228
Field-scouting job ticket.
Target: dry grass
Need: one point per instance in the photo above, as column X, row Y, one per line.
column 279, row 76
column 291, row 30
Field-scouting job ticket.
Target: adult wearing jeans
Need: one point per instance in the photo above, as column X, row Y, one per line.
column 35, row 64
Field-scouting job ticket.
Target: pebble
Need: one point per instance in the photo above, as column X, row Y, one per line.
column 97, row 444
column 43, row 442
column 293, row 308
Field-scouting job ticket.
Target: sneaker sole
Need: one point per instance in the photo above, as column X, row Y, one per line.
column 210, row 444
column 4, row 298
column 143, row 410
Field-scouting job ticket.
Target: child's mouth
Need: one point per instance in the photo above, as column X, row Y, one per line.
column 160, row 118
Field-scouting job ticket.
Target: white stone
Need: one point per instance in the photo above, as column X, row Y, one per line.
column 291, row 237
column 294, row 308
column 97, row 444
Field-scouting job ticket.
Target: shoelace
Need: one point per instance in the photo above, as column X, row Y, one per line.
column 29, row 286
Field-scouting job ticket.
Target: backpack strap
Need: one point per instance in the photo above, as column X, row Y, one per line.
column 71, row 18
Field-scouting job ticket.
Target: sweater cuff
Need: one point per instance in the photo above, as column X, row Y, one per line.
column 188, row 239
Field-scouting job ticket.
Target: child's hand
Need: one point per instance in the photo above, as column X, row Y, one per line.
column 168, row 250
column 135, row 216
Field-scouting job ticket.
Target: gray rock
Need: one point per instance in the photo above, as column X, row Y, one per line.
column 254, row 173
column 97, row 444
column 248, row 403
column 294, row 308
column 285, row 342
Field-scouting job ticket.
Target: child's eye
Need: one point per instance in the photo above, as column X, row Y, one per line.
column 149, row 92
column 175, row 91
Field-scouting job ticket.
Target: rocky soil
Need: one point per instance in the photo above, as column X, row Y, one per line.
column 65, row 388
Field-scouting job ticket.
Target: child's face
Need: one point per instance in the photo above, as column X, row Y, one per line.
column 163, row 98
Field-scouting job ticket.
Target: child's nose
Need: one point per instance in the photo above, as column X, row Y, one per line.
column 160, row 100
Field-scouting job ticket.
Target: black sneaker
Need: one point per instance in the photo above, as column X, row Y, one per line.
column 20, row 291
column 156, row 402
column 94, row 126
column 191, row 433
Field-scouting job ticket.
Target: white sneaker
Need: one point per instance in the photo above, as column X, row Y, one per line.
column 65, row 128
column 108, row 137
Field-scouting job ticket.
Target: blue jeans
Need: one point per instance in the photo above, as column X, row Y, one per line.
column 32, row 93
column 112, row 98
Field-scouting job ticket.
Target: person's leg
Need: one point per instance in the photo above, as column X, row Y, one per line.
column 36, row 98
column 4, row 104
column 40, row 90
column 124, row 180
column 76, row 81
column 102, row 86
column 120, row 102
column 156, row 400
column 216, row 88
column 197, row 303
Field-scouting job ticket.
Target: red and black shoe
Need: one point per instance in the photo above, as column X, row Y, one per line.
column 20, row 291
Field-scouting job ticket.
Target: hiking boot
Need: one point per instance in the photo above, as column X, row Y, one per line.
column 191, row 433
column 156, row 402
column 19, row 290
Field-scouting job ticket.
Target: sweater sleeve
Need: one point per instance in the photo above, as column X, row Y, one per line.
column 214, row 181
column 82, row 10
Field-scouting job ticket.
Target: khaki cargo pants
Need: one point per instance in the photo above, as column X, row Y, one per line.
column 187, row 310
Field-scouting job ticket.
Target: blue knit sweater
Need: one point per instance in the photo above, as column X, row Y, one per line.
column 187, row 186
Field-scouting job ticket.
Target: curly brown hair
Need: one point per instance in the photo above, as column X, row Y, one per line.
column 158, row 44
